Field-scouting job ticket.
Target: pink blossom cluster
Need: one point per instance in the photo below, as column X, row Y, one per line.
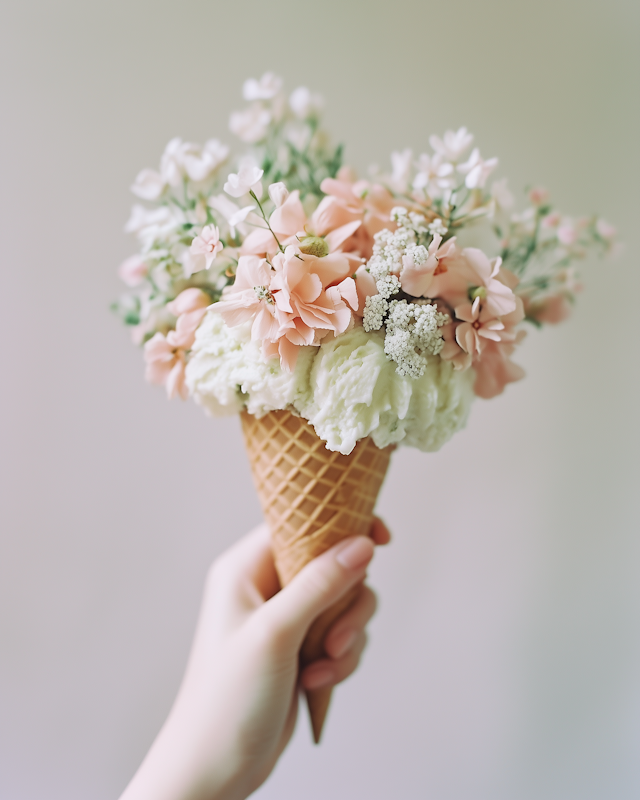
column 322, row 251
column 295, row 277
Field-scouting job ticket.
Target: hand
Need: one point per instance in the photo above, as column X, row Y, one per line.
column 237, row 706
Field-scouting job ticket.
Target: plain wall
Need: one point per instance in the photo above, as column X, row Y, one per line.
column 504, row 660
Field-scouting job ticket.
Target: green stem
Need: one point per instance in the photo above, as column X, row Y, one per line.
column 264, row 217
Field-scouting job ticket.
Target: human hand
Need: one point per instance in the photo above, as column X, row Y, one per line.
column 237, row 706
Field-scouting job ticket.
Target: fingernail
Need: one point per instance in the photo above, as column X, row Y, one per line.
column 319, row 677
column 342, row 642
column 355, row 553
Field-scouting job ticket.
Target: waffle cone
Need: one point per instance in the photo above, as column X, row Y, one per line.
column 311, row 498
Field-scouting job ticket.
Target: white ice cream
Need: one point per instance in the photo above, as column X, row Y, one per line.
column 226, row 372
column 346, row 388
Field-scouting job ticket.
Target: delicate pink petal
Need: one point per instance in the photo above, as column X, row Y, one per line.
column 339, row 236
column 289, row 218
column 349, row 292
column 259, row 242
column 365, row 286
column 288, row 354
column 189, row 300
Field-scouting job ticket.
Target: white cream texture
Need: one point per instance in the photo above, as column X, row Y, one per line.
column 346, row 388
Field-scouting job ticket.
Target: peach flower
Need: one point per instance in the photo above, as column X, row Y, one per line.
column 133, row 271
column 206, row 244
column 416, row 279
column 251, row 298
column 494, row 370
column 309, row 295
column 166, row 356
column 478, row 325
column 189, row 307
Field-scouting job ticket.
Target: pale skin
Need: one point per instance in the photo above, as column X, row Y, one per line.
column 236, row 709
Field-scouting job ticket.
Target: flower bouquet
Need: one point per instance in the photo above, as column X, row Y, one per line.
column 340, row 317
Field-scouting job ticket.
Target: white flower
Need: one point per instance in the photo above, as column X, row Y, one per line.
column 171, row 161
column 186, row 159
column 477, row 169
column 375, row 310
column 207, row 244
column 148, row 185
column 201, row 163
column 501, row 195
column 278, row 192
column 413, row 331
column 265, row 89
column 453, row 144
column 433, row 173
column 151, row 225
column 246, row 180
column 437, row 228
column 298, row 135
column 234, row 215
column 400, row 169
column 305, row 104
column 238, row 218
column 252, row 124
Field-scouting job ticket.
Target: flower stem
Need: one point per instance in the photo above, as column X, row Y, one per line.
column 264, row 217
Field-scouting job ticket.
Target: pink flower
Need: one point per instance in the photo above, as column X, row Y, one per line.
column 166, row 365
column 251, row 298
column 206, row 244
column 478, row 326
column 286, row 220
column 416, row 279
column 189, row 307
column 567, row 233
column 552, row 309
column 605, row 230
column 452, row 351
column 492, row 286
column 349, row 201
column 309, row 301
column 492, row 367
column 133, row 270
column 494, row 370
column 538, row 196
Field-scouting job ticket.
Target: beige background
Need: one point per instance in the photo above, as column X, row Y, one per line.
column 504, row 662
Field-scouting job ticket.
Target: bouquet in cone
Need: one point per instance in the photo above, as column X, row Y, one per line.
column 340, row 317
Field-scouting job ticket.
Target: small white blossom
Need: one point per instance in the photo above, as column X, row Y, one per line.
column 264, row 89
column 400, row 170
column 437, row 228
column 388, row 286
column 246, row 180
column 417, row 254
column 375, row 310
column 453, row 145
column 252, row 124
column 399, row 214
column 501, row 196
column 305, row 104
column 200, row 163
column 298, row 134
column 434, row 174
column 278, row 193
column 477, row 169
column 148, row 185
column 412, row 331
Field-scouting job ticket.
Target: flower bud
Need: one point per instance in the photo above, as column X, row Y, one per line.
column 314, row 246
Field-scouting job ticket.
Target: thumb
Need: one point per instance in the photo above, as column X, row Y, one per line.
column 318, row 585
